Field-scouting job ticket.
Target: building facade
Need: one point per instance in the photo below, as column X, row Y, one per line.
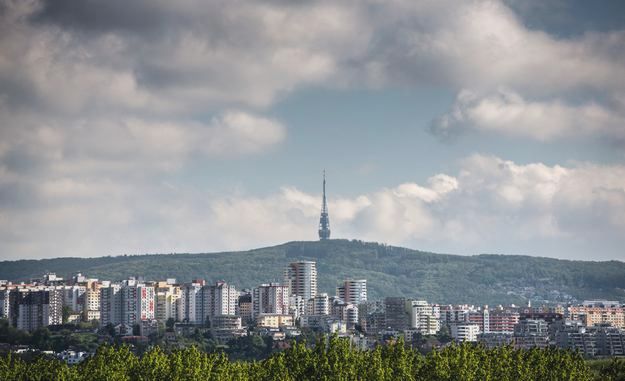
column 353, row 291
column 301, row 278
column 272, row 298
column 32, row 309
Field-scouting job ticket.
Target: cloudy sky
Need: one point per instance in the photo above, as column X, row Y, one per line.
column 157, row 126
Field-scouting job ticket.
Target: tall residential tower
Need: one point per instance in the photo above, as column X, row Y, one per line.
column 324, row 220
column 301, row 277
column 353, row 291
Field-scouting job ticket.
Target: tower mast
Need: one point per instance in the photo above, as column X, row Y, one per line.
column 324, row 220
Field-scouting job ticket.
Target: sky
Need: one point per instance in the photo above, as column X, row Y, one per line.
column 465, row 127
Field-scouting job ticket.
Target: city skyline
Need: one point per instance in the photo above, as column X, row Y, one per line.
column 135, row 309
column 493, row 126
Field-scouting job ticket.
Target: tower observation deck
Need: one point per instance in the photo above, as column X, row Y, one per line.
column 324, row 220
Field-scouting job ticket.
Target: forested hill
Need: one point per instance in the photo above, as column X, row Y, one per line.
column 390, row 271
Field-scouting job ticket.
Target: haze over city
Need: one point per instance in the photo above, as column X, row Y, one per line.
column 459, row 127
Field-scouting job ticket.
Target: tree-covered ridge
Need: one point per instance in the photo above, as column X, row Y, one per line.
column 390, row 271
column 336, row 360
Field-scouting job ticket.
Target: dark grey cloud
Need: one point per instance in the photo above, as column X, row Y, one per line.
column 94, row 16
column 18, row 198
column 570, row 18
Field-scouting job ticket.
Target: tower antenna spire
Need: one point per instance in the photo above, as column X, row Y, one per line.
column 324, row 219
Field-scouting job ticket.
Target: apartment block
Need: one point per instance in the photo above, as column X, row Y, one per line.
column 598, row 312
column 272, row 298
column 35, row 308
column 301, row 278
column 462, row 331
column 353, row 291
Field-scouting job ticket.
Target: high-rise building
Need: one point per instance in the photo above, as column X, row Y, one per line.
column 110, row 304
column 73, row 296
column 371, row 316
column 246, row 306
column 353, row 291
column 91, row 305
column 301, row 278
column 5, row 305
column 167, row 296
column 35, row 308
column 220, row 299
column 137, row 303
column 395, row 317
column 271, row 298
column 127, row 303
column 324, row 219
column 189, row 308
column 198, row 301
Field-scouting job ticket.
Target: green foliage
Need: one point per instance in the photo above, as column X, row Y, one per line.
column 608, row 369
column 390, row 271
column 331, row 359
column 253, row 347
column 44, row 339
column 12, row 335
column 65, row 313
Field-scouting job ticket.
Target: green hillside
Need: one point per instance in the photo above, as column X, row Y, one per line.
column 390, row 271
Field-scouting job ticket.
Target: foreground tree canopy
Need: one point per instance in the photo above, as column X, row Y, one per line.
column 331, row 360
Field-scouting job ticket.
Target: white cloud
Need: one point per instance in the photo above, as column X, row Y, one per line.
column 489, row 205
column 239, row 132
column 439, row 186
column 492, row 204
column 124, row 144
column 507, row 112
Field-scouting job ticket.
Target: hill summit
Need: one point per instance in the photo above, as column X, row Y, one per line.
column 389, row 270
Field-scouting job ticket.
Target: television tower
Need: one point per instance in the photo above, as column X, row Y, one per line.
column 324, row 220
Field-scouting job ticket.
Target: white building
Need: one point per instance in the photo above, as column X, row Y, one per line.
column 297, row 306
column 5, row 305
column 422, row 317
column 321, row 304
column 187, row 305
column 301, row 277
column 464, row 331
column 72, row 357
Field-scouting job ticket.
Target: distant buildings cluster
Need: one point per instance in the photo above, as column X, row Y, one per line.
column 137, row 307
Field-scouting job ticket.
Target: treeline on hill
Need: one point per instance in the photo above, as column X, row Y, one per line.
column 331, row 359
column 389, row 270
